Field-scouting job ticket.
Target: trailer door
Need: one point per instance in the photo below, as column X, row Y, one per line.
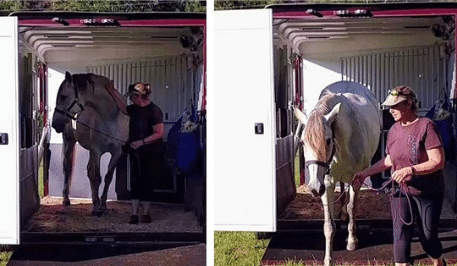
column 9, row 131
column 243, row 126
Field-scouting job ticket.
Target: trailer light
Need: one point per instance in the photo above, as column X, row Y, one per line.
column 104, row 21
column 314, row 12
column 60, row 20
column 356, row 13
column 361, row 12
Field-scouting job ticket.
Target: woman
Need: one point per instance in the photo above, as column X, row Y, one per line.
column 146, row 140
column 415, row 156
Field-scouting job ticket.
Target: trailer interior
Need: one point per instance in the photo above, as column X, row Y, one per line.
column 380, row 46
column 163, row 49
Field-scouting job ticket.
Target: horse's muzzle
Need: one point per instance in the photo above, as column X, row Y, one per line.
column 57, row 124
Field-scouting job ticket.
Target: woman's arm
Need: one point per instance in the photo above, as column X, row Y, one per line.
column 158, row 131
column 380, row 166
column 434, row 163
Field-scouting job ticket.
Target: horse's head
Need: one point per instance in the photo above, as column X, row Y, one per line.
column 318, row 145
column 67, row 103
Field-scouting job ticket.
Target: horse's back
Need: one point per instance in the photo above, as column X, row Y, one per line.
column 361, row 117
column 352, row 90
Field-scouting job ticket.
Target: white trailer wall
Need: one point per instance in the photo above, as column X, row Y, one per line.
column 423, row 68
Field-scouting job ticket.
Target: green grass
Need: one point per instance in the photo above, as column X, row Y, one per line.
column 238, row 248
column 5, row 254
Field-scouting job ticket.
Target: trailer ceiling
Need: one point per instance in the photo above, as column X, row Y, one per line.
column 327, row 36
column 103, row 43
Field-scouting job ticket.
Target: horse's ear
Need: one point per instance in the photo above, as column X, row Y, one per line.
column 330, row 117
column 300, row 116
column 67, row 76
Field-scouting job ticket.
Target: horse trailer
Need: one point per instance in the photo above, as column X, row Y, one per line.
column 269, row 61
column 165, row 49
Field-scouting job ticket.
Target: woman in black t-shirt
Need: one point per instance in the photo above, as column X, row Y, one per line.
column 146, row 131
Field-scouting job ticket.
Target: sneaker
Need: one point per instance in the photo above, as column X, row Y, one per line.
column 146, row 219
column 134, row 219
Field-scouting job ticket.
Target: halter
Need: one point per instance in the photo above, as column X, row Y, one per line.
column 75, row 116
column 321, row 163
column 75, row 102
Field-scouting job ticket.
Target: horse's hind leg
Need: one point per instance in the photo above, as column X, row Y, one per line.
column 352, row 237
column 93, row 172
column 109, row 176
column 68, row 145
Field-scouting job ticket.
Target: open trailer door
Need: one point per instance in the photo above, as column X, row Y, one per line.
column 243, row 130
column 9, row 133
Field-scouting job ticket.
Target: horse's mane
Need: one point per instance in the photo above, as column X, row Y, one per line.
column 314, row 132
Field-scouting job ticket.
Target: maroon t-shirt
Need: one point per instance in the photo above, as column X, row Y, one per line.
column 408, row 145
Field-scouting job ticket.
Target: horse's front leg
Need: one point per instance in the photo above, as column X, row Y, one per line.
column 109, row 176
column 68, row 148
column 329, row 224
column 93, row 172
column 352, row 228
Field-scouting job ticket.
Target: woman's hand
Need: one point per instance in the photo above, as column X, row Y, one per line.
column 136, row 144
column 403, row 175
column 358, row 178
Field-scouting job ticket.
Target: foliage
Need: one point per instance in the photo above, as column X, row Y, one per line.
column 238, row 248
column 104, row 5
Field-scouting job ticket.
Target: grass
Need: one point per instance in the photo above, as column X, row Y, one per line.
column 5, row 255
column 238, row 248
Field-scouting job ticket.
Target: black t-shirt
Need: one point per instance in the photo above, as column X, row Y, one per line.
column 142, row 119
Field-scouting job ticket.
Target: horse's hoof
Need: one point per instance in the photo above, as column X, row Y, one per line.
column 328, row 262
column 352, row 246
column 66, row 202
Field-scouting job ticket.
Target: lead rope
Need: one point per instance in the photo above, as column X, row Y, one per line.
column 404, row 191
column 83, row 124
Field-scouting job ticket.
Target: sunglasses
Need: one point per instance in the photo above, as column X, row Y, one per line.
column 395, row 93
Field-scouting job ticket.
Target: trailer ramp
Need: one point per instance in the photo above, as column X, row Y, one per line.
column 98, row 248
column 180, row 256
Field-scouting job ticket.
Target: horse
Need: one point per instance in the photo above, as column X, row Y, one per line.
column 340, row 137
column 91, row 112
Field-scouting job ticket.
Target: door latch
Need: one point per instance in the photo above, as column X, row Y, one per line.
column 258, row 128
column 3, row 138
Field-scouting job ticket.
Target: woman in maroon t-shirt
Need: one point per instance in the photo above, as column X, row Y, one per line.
column 415, row 155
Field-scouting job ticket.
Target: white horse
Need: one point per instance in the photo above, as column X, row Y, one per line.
column 340, row 138
column 101, row 126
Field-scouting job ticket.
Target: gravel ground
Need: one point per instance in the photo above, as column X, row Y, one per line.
column 54, row 217
column 370, row 205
